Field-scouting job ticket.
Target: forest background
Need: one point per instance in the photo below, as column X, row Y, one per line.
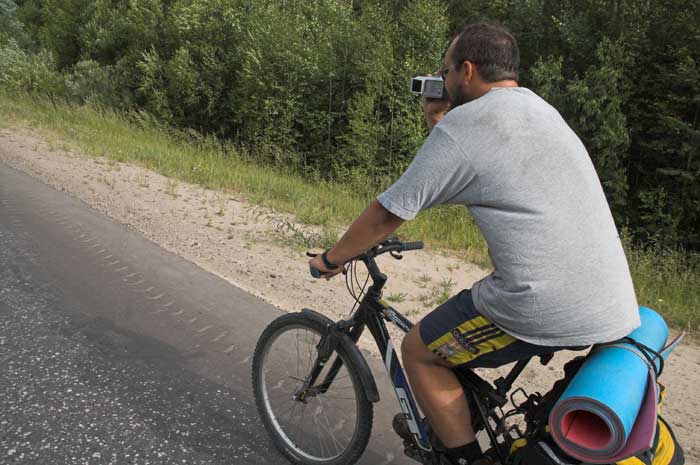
column 320, row 87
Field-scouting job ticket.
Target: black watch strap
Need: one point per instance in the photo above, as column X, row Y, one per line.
column 329, row 265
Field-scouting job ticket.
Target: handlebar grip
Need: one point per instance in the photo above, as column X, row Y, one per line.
column 413, row 245
column 315, row 272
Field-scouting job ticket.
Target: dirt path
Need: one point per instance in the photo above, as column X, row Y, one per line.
column 221, row 232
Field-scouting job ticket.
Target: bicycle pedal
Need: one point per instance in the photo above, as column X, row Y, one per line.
column 426, row 458
column 401, row 428
column 410, row 450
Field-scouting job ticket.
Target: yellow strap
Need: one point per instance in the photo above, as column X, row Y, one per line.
column 662, row 395
column 517, row 444
column 631, row 461
column 666, row 447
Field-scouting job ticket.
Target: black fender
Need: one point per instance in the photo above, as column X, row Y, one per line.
column 356, row 357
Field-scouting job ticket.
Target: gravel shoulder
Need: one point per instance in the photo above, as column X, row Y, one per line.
column 226, row 235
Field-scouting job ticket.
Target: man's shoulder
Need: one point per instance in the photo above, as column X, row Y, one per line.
column 499, row 101
column 502, row 109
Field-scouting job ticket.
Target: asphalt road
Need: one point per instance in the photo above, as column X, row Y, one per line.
column 115, row 351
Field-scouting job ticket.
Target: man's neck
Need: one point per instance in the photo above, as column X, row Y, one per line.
column 484, row 87
column 505, row 83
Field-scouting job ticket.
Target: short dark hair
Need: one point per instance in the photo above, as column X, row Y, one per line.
column 491, row 47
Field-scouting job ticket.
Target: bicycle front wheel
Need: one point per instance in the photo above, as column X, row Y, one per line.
column 329, row 427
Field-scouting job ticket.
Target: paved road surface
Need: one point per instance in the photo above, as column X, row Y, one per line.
column 114, row 351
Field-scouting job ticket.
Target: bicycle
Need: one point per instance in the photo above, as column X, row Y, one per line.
column 332, row 376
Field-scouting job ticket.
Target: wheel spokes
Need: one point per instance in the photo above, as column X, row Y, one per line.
column 332, row 415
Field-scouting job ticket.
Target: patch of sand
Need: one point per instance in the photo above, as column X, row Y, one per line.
column 221, row 232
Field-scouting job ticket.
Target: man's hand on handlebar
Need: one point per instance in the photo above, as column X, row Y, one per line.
column 322, row 269
column 327, row 273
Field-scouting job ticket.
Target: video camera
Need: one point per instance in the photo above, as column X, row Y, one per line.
column 428, row 87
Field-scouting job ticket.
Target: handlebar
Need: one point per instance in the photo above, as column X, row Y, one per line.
column 315, row 272
column 417, row 245
column 390, row 244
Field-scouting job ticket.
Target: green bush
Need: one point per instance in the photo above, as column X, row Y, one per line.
column 29, row 72
column 90, row 82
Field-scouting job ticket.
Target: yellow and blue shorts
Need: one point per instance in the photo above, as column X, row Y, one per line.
column 458, row 333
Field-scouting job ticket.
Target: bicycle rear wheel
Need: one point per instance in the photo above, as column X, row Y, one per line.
column 329, row 428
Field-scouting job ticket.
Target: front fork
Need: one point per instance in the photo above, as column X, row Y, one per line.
column 326, row 346
column 354, row 329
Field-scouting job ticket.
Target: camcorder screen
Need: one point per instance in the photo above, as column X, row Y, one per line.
column 416, row 85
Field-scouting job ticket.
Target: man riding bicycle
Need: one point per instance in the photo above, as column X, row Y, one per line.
column 560, row 275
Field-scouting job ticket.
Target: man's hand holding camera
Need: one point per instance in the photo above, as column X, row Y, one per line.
column 434, row 110
column 434, row 93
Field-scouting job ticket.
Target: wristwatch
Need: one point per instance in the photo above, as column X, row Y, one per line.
column 327, row 263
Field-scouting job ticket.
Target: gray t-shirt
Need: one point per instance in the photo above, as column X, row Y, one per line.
column 560, row 274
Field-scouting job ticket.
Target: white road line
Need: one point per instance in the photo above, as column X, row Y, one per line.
column 205, row 329
column 156, row 297
column 219, row 336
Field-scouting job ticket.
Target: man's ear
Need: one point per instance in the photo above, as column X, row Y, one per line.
column 469, row 70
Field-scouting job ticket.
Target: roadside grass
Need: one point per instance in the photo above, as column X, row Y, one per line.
column 218, row 164
column 668, row 281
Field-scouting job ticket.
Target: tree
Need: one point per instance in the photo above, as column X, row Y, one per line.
column 321, row 85
column 664, row 111
column 12, row 27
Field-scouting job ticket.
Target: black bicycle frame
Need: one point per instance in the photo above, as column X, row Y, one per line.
column 372, row 314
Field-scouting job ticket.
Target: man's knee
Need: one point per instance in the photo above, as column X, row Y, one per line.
column 412, row 344
column 414, row 350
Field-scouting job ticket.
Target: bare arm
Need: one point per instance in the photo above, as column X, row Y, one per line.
column 434, row 110
column 373, row 225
